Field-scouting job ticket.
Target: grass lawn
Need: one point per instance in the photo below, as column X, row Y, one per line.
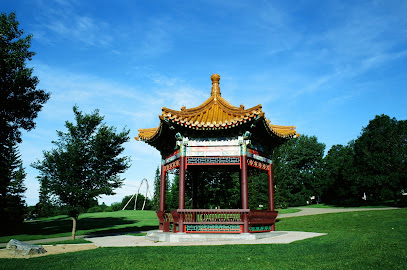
column 88, row 223
column 355, row 240
column 92, row 223
column 288, row 210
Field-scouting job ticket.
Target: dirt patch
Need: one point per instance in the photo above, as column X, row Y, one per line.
column 51, row 250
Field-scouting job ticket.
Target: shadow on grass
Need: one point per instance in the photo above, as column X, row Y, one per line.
column 118, row 231
column 63, row 225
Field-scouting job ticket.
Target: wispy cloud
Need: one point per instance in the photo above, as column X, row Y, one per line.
column 158, row 37
column 350, row 41
column 62, row 21
column 365, row 39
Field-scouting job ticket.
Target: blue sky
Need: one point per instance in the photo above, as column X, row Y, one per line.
column 326, row 67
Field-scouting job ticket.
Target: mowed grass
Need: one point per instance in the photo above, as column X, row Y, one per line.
column 355, row 240
column 127, row 221
column 288, row 210
column 88, row 224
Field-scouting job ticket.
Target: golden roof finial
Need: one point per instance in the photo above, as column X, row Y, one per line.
column 215, row 85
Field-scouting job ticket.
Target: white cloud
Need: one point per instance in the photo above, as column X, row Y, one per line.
column 61, row 20
column 121, row 105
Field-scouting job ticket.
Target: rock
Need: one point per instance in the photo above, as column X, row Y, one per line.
column 21, row 248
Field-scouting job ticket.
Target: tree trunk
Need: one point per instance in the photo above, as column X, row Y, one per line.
column 74, row 219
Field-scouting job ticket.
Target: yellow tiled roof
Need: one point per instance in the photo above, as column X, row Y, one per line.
column 215, row 113
column 147, row 133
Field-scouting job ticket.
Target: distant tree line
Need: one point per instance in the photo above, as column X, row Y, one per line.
column 51, row 209
column 369, row 169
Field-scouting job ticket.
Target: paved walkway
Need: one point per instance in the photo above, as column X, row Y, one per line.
column 305, row 211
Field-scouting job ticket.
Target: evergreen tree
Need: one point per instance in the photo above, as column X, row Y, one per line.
column 85, row 164
column 12, row 204
column 172, row 197
column 157, row 184
column 20, row 103
column 45, row 207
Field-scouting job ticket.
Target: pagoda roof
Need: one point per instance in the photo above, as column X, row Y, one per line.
column 215, row 114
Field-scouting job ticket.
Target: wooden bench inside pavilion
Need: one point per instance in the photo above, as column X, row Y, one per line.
column 216, row 134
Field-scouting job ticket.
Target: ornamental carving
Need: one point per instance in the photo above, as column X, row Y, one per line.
column 172, row 165
column 258, row 164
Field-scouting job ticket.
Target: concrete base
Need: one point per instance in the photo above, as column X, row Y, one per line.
column 169, row 237
column 158, row 238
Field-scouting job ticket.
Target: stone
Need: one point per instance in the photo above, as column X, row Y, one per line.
column 21, row 248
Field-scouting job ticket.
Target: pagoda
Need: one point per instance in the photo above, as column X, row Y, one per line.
column 216, row 134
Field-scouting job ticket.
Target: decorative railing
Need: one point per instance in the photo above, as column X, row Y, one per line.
column 217, row 220
column 212, row 216
column 165, row 220
column 262, row 216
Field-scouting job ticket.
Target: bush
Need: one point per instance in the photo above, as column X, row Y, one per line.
column 95, row 209
column 116, row 206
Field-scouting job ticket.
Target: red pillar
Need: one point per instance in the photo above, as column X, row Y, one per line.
column 162, row 197
column 271, row 188
column 271, row 192
column 181, row 200
column 162, row 189
column 245, row 192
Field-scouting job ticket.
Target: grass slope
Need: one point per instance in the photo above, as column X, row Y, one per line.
column 355, row 240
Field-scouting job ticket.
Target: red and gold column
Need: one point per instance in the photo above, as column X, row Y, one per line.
column 271, row 192
column 243, row 183
column 182, row 168
column 162, row 189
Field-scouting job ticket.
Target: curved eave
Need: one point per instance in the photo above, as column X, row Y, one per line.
column 286, row 132
column 147, row 134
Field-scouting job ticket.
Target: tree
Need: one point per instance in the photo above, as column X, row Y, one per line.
column 12, row 204
column 340, row 174
column 157, row 184
column 258, row 189
column 381, row 157
column 213, row 188
column 45, row 207
column 172, row 197
column 20, row 103
column 297, row 166
column 85, row 164
column 140, row 202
